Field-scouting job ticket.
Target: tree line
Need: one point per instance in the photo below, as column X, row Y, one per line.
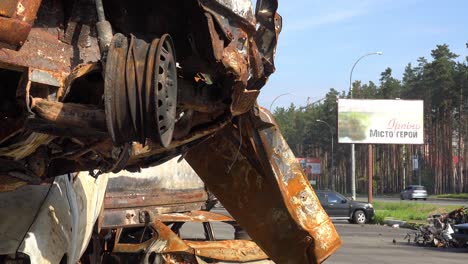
column 442, row 82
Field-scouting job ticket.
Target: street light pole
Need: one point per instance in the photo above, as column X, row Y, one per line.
column 353, row 158
column 333, row 171
column 276, row 98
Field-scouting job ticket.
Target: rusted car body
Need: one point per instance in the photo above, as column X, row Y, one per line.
column 101, row 86
column 145, row 211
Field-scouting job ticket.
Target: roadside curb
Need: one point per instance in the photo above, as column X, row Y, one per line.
column 395, row 223
column 448, row 199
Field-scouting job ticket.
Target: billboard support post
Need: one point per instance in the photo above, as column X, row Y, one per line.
column 353, row 173
column 419, row 173
column 370, row 172
column 419, row 166
column 353, row 157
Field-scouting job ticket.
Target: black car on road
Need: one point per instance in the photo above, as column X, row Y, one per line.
column 339, row 207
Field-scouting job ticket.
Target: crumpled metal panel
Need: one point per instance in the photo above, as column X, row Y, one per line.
column 249, row 54
column 63, row 224
column 172, row 182
column 228, row 250
column 89, row 193
column 266, row 37
column 242, row 8
column 299, row 196
column 258, row 180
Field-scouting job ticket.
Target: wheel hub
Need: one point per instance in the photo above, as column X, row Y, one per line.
column 141, row 90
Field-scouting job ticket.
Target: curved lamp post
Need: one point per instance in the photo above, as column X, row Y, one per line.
column 333, row 172
column 276, row 98
column 353, row 158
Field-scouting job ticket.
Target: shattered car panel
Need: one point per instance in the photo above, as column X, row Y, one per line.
column 52, row 222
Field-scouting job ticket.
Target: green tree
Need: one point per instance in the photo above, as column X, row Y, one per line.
column 442, row 82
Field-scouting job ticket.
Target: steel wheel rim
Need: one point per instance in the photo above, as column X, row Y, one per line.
column 141, row 90
column 165, row 90
column 114, row 89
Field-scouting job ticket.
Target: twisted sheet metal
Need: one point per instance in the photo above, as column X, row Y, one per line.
column 266, row 190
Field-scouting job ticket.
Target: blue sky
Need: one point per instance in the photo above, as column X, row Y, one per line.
column 321, row 39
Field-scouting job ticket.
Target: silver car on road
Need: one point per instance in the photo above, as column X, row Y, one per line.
column 414, row 192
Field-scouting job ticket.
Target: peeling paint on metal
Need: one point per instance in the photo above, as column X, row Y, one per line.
column 20, row 10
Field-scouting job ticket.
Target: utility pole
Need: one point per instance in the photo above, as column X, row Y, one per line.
column 370, row 170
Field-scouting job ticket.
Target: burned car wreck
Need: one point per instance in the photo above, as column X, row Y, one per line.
column 101, row 86
column 175, row 72
column 439, row 231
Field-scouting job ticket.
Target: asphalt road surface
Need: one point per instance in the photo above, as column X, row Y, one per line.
column 374, row 244
column 361, row 244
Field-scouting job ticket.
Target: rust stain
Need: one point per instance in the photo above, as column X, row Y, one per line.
column 171, row 242
column 17, row 20
column 235, row 61
column 41, row 51
column 131, row 248
column 152, row 148
column 13, row 31
column 243, row 101
column 158, row 197
column 229, row 250
column 8, row 8
column 195, row 216
column 69, row 114
column 27, row 10
column 306, row 206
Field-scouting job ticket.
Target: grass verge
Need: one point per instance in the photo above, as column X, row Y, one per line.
column 408, row 211
column 453, row 195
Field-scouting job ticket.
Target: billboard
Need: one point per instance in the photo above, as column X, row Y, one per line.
column 380, row 121
column 310, row 165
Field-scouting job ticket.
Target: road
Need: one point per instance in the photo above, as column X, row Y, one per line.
column 361, row 244
column 374, row 244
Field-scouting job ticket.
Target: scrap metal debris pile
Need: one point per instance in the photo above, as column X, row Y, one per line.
column 439, row 232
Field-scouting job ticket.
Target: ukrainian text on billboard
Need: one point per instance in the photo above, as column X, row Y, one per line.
column 380, row 121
